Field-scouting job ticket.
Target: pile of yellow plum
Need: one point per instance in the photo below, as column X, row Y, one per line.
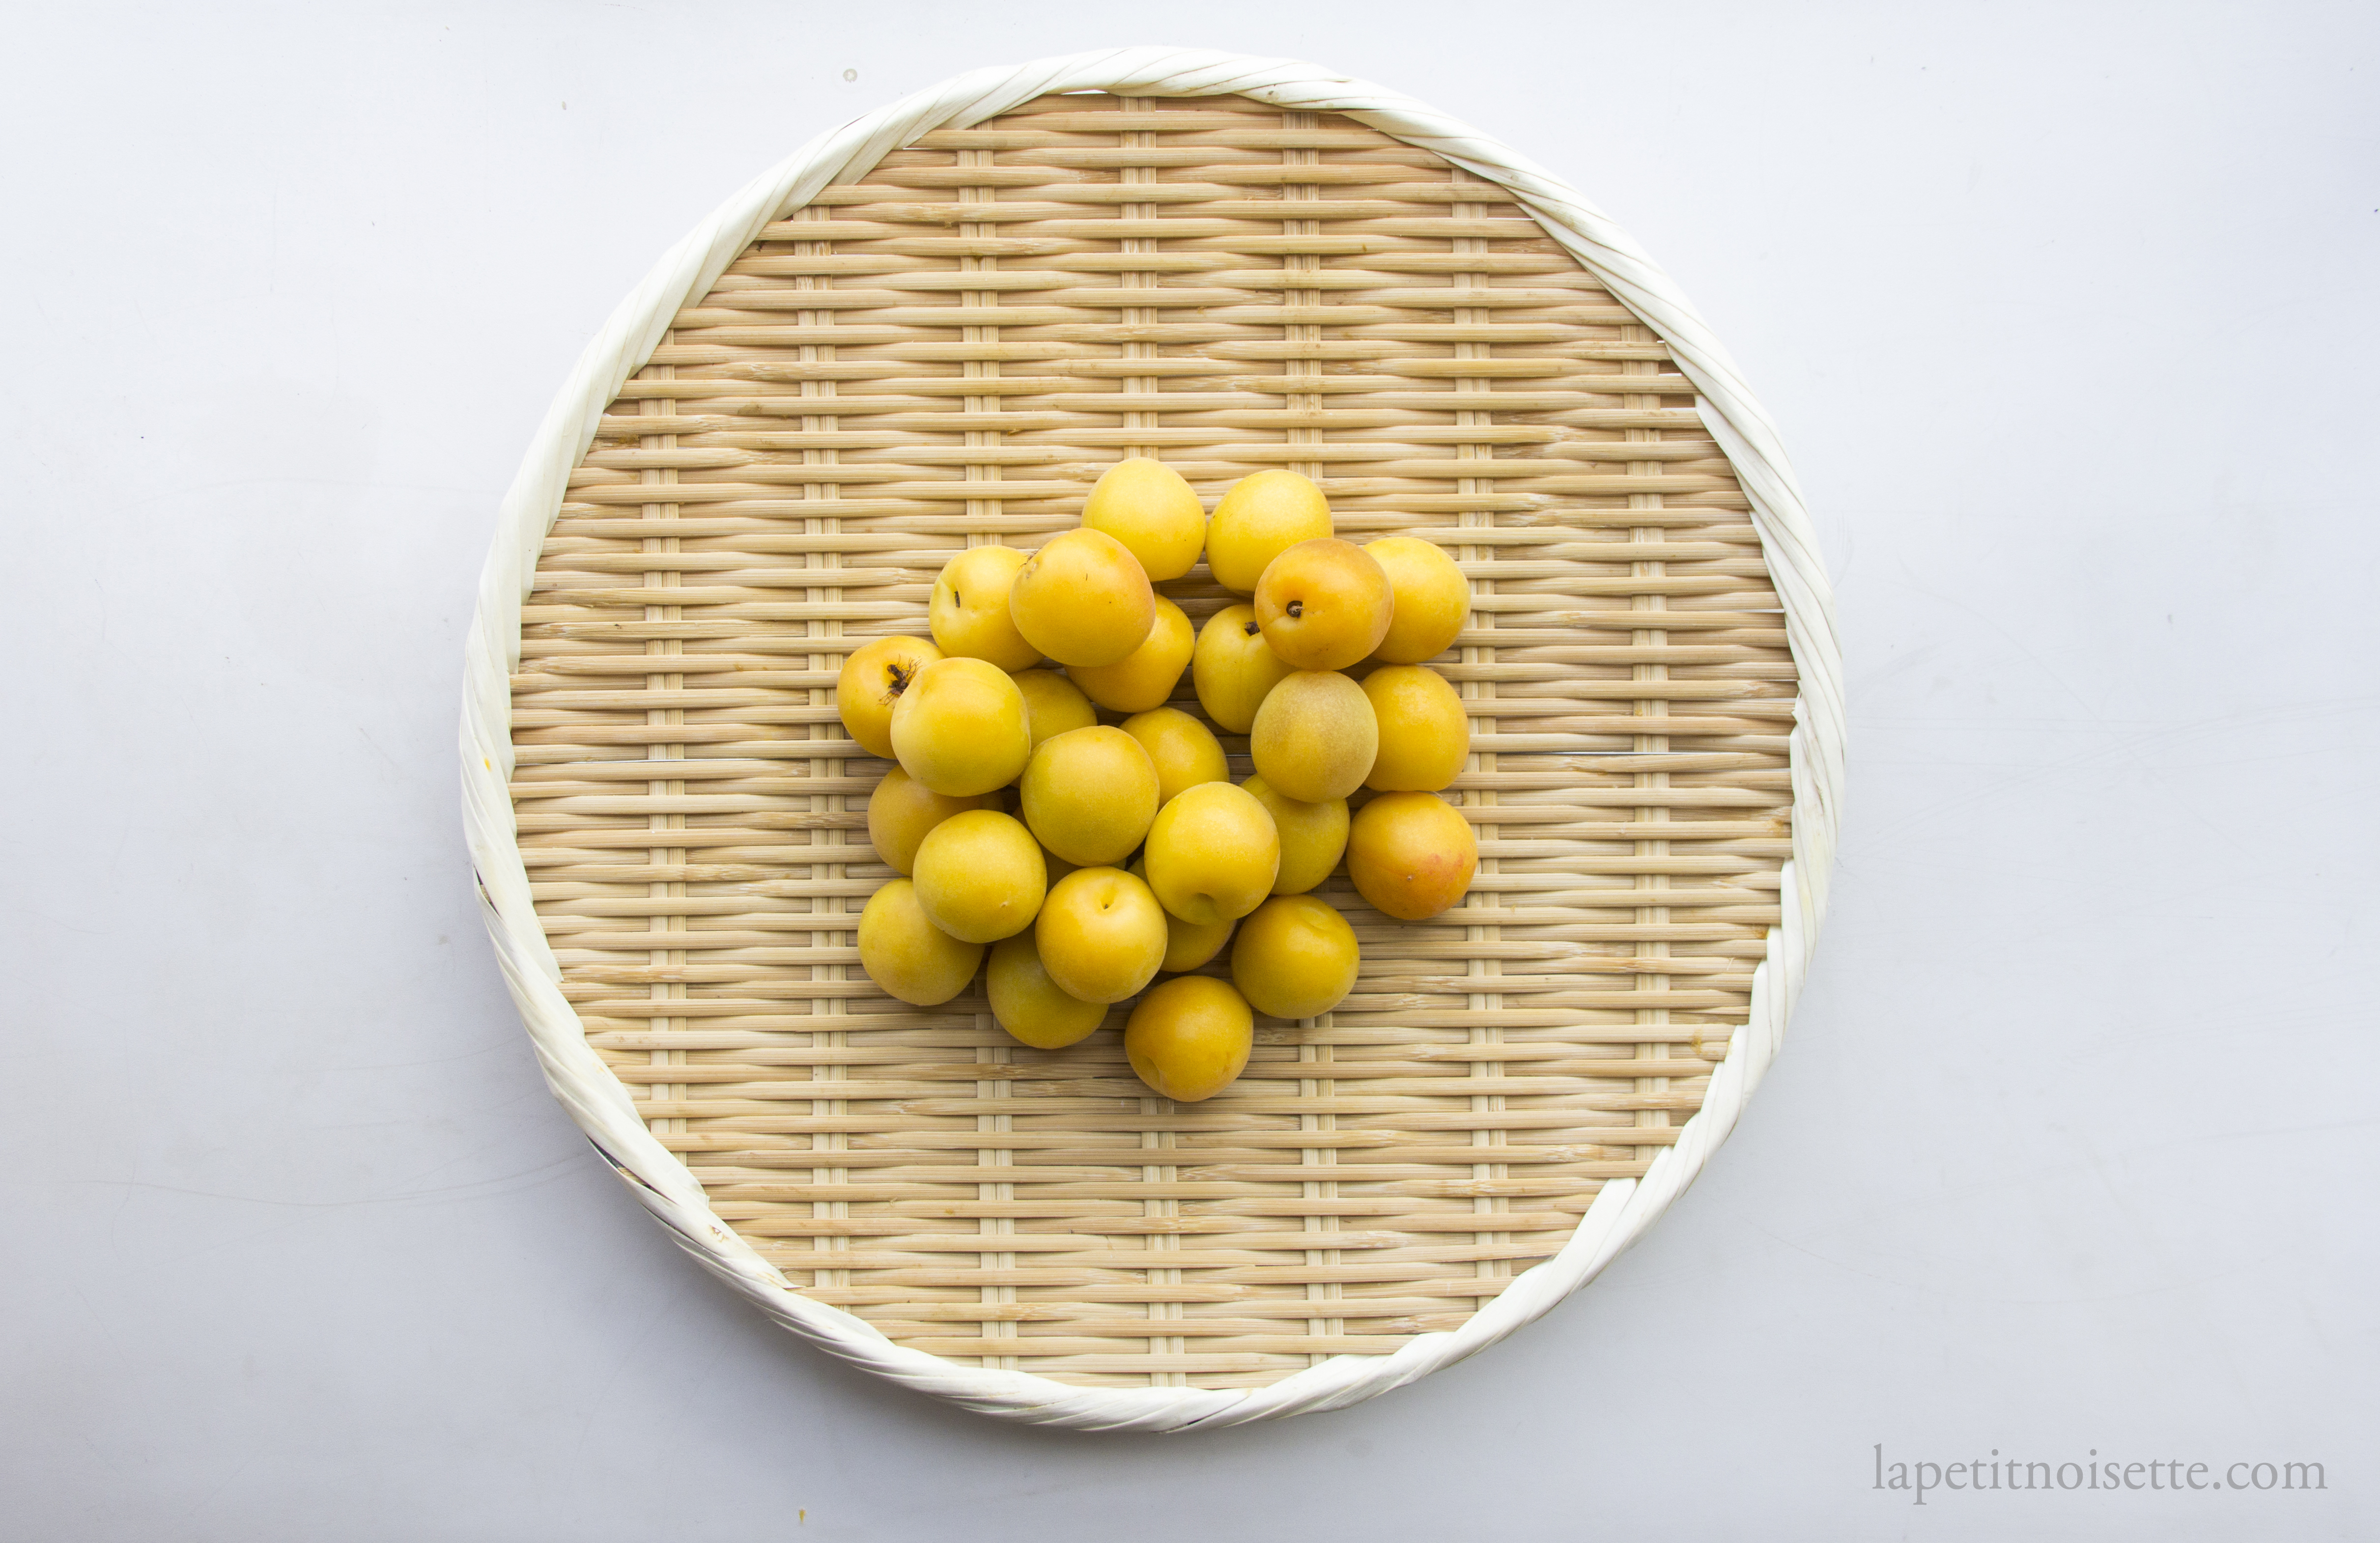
column 1090, row 858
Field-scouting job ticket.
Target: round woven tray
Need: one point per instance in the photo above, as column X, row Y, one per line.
column 879, row 356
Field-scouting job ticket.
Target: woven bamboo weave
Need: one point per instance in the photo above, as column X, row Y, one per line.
column 946, row 349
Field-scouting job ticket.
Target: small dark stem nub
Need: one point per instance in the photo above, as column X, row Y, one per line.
column 1253, row 629
column 1296, row 608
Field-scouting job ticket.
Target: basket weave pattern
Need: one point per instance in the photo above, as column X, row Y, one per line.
column 949, row 351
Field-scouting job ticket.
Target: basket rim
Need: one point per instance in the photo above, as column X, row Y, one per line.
column 600, row 1104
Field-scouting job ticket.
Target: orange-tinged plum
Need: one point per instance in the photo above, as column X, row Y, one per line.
column 1148, row 507
column 1323, row 605
column 1263, row 515
column 1412, row 855
column 960, row 727
column 1082, row 599
column 904, row 951
column 1146, row 677
column 1101, row 934
column 902, row 810
column 1232, row 667
column 1190, row 1037
column 1425, row 733
column 1185, row 751
column 969, row 609
column 873, row 680
column 1296, row 958
column 1432, row 598
column 1315, row 738
column 1029, row 1004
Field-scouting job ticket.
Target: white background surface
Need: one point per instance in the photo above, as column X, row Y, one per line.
column 2068, row 314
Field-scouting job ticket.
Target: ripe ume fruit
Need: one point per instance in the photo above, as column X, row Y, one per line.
column 1029, row 1004
column 1148, row 507
column 1190, row 1037
column 873, row 680
column 1144, row 677
column 1082, row 599
column 960, row 727
column 1425, row 733
column 1089, row 795
column 1101, row 934
column 1052, row 704
column 1296, row 958
column 1432, row 598
column 1312, row 836
column 1185, row 751
column 969, row 609
column 904, row 951
column 1263, row 515
column 1213, row 854
column 1412, row 855
column 1232, row 667
column 1315, row 738
column 902, row 810
column 979, row 876
column 1323, row 605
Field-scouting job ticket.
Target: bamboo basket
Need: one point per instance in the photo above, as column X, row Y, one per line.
column 934, row 328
